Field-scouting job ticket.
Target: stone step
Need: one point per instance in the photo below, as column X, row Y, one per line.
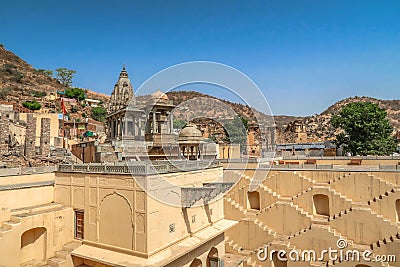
column 62, row 254
column 36, row 208
column 56, row 262
column 69, row 247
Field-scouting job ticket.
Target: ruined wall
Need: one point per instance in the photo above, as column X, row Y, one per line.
column 4, row 132
column 30, row 137
column 45, row 137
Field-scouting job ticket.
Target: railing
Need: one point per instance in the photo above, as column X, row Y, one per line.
column 331, row 167
column 139, row 168
column 343, row 157
column 26, row 170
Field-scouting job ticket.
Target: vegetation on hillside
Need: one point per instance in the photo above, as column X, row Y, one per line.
column 32, row 105
column 99, row 113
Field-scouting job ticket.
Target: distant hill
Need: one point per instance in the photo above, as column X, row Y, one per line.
column 20, row 82
column 392, row 107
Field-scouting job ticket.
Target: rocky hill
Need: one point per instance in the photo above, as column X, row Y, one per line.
column 318, row 128
column 20, row 82
column 19, row 79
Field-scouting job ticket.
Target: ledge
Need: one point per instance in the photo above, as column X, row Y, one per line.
column 161, row 258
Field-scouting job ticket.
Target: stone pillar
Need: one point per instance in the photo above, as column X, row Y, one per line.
column 30, row 136
column 45, row 136
column 139, row 129
column 4, row 132
column 171, row 123
column 154, row 121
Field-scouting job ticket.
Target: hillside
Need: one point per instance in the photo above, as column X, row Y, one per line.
column 318, row 127
column 19, row 79
column 20, row 82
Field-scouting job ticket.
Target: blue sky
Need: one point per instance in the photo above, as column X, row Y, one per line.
column 304, row 55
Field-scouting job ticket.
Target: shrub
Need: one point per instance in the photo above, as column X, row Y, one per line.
column 17, row 76
column 74, row 109
column 38, row 94
column 32, row 105
column 99, row 113
column 4, row 92
column 46, row 72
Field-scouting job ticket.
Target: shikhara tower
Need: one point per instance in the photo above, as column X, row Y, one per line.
column 122, row 94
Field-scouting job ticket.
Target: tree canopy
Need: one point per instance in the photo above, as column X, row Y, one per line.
column 76, row 93
column 46, row 72
column 65, row 76
column 365, row 129
column 179, row 124
column 236, row 130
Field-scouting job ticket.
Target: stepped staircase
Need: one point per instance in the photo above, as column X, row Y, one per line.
column 17, row 217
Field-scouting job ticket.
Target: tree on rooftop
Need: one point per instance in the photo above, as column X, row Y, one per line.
column 365, row 129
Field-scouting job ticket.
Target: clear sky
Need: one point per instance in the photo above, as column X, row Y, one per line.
column 304, row 55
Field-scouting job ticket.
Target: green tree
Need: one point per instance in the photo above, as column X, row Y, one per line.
column 99, row 113
column 65, row 76
column 32, row 105
column 179, row 124
column 46, row 72
column 236, row 130
column 365, row 129
column 76, row 93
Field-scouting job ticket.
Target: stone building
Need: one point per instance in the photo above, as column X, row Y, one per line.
column 138, row 131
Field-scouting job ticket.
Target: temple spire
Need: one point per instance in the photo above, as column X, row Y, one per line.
column 122, row 94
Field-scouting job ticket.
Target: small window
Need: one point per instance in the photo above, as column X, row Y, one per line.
column 172, row 227
column 79, row 224
column 193, row 218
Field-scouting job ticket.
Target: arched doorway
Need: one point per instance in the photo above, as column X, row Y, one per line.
column 115, row 224
column 321, row 204
column 33, row 244
column 254, row 200
column 212, row 258
column 398, row 209
column 196, row 263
